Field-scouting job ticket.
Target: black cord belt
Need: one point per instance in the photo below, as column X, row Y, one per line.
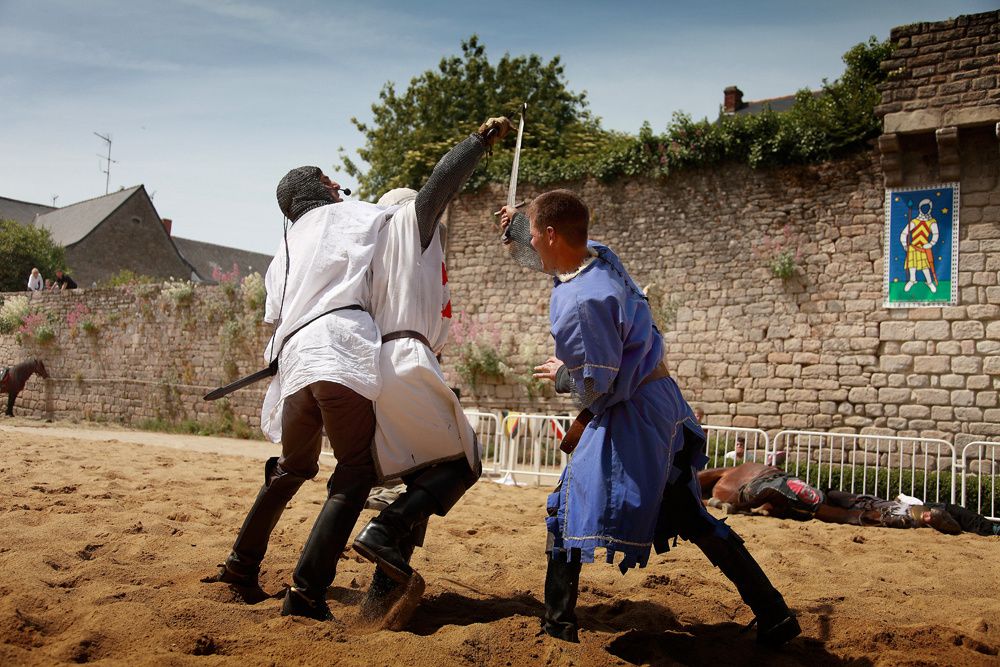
column 272, row 368
column 406, row 333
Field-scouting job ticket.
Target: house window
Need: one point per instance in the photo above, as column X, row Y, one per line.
column 136, row 219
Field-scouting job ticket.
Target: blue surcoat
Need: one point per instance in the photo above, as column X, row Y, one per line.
column 610, row 493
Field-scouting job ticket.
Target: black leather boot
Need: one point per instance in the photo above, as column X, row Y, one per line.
column 384, row 590
column 562, row 582
column 384, row 540
column 776, row 624
column 432, row 491
column 243, row 564
column 317, row 565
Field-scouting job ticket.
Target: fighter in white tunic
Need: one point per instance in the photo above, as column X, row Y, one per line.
column 421, row 433
column 327, row 346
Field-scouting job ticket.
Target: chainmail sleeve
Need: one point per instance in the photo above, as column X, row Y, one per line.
column 565, row 384
column 585, row 395
column 448, row 177
column 517, row 243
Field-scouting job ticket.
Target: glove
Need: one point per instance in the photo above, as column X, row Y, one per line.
column 502, row 126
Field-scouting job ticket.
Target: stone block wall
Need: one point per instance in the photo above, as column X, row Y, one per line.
column 948, row 66
column 817, row 351
column 151, row 356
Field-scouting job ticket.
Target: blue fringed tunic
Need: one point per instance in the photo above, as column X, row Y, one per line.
column 610, row 493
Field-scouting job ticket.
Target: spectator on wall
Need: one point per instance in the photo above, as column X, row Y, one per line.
column 35, row 282
column 699, row 414
column 64, row 281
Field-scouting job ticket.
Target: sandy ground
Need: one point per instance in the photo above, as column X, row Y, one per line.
column 105, row 535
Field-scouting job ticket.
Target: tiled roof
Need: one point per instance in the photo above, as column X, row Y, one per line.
column 777, row 104
column 21, row 211
column 206, row 256
column 70, row 224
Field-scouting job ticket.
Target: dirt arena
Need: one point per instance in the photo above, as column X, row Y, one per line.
column 105, row 536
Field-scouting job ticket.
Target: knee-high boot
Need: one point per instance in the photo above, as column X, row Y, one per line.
column 434, row 491
column 562, row 583
column 776, row 624
column 317, row 565
column 243, row 564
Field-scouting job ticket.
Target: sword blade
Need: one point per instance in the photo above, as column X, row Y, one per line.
column 512, row 186
column 239, row 384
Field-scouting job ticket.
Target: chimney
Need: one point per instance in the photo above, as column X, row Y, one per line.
column 733, row 100
column 167, row 224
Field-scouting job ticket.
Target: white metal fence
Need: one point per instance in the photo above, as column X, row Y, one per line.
column 731, row 445
column 880, row 465
column 531, row 447
column 491, row 441
column 524, row 448
column 980, row 465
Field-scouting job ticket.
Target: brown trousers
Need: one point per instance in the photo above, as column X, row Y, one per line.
column 347, row 417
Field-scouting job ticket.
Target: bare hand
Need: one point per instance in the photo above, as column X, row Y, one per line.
column 548, row 370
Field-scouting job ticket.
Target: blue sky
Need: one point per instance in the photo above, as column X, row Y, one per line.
column 210, row 102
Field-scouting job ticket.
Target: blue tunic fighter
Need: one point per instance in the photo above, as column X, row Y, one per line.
column 631, row 484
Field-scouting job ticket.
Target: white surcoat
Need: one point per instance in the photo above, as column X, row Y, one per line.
column 330, row 254
column 419, row 420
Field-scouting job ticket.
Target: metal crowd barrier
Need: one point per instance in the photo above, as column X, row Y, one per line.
column 531, row 452
column 879, row 465
column 723, row 441
column 491, row 440
column 980, row 465
column 524, row 448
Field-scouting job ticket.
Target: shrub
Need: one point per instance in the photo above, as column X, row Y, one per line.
column 36, row 327
column 127, row 277
column 254, row 293
column 478, row 350
column 228, row 280
column 181, row 292
column 13, row 313
column 781, row 254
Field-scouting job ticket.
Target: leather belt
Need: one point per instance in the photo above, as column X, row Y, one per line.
column 661, row 371
column 575, row 431
column 406, row 333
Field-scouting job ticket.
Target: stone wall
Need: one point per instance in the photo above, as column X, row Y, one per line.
column 152, row 356
column 817, row 351
column 945, row 67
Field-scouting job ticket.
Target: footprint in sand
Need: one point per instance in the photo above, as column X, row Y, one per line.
column 87, row 553
column 70, row 488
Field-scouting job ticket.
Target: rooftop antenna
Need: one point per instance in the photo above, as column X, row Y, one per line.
column 107, row 170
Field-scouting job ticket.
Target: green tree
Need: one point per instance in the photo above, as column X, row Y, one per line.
column 409, row 132
column 563, row 141
column 24, row 248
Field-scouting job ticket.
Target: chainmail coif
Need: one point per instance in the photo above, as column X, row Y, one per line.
column 301, row 191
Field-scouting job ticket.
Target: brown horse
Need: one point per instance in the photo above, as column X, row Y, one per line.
column 13, row 379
